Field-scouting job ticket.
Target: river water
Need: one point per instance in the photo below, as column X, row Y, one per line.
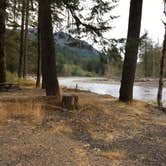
column 147, row 93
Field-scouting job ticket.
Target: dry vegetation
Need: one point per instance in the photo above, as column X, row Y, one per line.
column 35, row 131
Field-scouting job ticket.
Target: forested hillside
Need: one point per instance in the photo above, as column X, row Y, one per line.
column 71, row 60
column 76, row 57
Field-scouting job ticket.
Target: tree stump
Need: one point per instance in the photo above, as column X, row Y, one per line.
column 70, row 101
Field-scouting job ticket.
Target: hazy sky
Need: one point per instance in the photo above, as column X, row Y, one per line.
column 151, row 19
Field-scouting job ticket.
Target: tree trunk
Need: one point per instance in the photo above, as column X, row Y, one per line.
column 14, row 15
column 20, row 67
column 2, row 41
column 48, row 50
column 130, row 61
column 162, row 65
column 26, row 39
column 38, row 74
column 43, row 83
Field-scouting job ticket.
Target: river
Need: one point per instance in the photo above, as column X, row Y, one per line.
column 146, row 93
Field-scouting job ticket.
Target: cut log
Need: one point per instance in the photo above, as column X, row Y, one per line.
column 70, row 101
column 8, row 87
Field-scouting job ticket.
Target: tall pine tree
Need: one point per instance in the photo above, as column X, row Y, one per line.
column 48, row 49
column 131, row 50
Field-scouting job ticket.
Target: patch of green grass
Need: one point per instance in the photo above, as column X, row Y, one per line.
column 153, row 102
column 14, row 79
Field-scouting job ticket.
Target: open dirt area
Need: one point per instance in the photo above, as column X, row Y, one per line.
column 34, row 130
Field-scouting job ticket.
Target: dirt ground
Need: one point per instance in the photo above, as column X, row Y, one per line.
column 102, row 132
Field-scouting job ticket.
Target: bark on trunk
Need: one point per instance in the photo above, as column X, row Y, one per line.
column 14, row 15
column 43, row 83
column 129, row 67
column 38, row 74
column 162, row 65
column 26, row 39
column 20, row 67
column 48, row 50
column 2, row 41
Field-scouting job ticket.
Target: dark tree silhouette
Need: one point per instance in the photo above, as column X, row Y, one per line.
column 26, row 39
column 2, row 41
column 130, row 61
column 160, row 89
column 20, row 67
column 162, row 65
column 38, row 74
column 48, row 49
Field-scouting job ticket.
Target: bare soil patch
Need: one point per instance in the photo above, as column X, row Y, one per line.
column 102, row 132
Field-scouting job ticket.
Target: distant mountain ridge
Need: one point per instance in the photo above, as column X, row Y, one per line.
column 68, row 45
column 66, row 40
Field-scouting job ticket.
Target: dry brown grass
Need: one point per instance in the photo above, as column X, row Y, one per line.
column 114, row 155
column 27, row 111
column 102, row 129
column 3, row 114
column 82, row 157
column 60, row 129
column 26, row 82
